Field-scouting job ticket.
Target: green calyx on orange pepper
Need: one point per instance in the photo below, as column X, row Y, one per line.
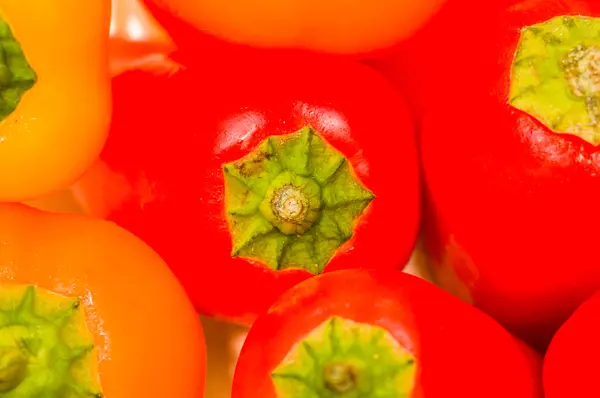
column 88, row 310
column 45, row 345
column 54, row 93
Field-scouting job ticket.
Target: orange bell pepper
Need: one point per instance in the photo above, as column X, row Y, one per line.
column 351, row 27
column 88, row 310
column 54, row 93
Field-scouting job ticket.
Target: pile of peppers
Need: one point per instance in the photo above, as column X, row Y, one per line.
column 281, row 165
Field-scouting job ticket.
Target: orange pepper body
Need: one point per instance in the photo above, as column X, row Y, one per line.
column 332, row 26
column 60, row 125
column 147, row 335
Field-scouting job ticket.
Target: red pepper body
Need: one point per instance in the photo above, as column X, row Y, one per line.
column 173, row 131
column 510, row 211
column 570, row 363
column 458, row 351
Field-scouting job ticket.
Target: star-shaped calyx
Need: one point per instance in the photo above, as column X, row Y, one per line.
column 292, row 202
column 46, row 348
column 345, row 359
column 16, row 75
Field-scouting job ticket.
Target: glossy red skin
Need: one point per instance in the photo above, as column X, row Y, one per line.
column 406, row 66
column 172, row 132
column 511, row 205
column 570, row 365
column 459, row 351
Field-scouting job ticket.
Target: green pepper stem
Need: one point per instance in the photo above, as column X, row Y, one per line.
column 292, row 203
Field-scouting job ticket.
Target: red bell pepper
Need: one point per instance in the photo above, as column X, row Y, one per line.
column 510, row 156
column 251, row 175
column 570, row 368
column 357, row 333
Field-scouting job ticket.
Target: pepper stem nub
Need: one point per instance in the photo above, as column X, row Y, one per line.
column 288, row 203
column 292, row 203
column 339, row 377
column 582, row 70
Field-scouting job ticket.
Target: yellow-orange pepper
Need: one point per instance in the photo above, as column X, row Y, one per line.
column 352, row 27
column 54, row 93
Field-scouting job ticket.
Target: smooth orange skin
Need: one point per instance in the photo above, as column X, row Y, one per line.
column 333, row 26
column 61, row 124
column 149, row 338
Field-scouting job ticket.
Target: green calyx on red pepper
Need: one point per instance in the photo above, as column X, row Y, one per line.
column 292, row 202
column 343, row 358
column 16, row 75
column 555, row 75
column 46, row 348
